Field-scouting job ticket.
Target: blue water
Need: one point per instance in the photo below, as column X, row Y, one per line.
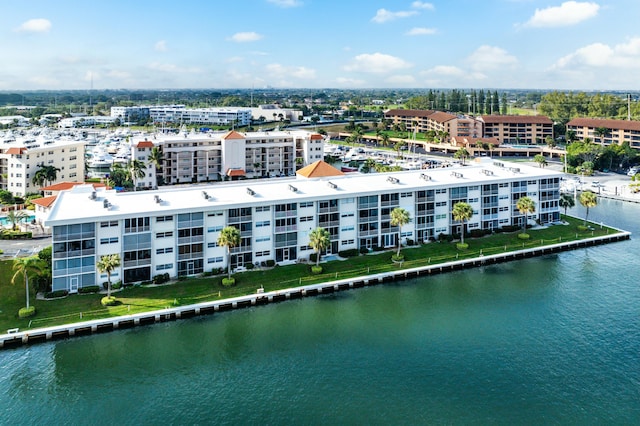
column 552, row 340
column 4, row 221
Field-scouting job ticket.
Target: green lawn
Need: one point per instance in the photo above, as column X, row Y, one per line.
column 145, row 298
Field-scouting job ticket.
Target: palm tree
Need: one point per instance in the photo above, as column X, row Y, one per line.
column 357, row 133
column 398, row 147
column 136, row 171
column 27, row 267
column 566, row 202
column 462, row 154
column 399, row 218
column 462, row 212
column 39, row 177
column 539, row 158
column 601, row 132
column 229, row 238
column 525, row 206
column 588, row 199
column 571, row 136
column 156, row 158
column 16, row 217
column 108, row 263
column 51, row 173
column 385, row 139
column 319, row 240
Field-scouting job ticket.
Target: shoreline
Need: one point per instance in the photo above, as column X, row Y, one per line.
column 16, row 338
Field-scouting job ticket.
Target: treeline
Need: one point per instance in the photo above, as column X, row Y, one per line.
column 457, row 101
column 562, row 107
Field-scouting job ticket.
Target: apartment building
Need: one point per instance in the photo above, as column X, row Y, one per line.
column 616, row 131
column 442, row 122
column 183, row 115
column 202, row 157
column 176, row 230
column 517, row 129
column 22, row 158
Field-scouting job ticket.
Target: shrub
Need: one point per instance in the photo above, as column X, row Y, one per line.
column 59, row 293
column 117, row 285
column 410, row 242
column 249, row 265
column 228, row 282
column 523, row 236
column 271, row 263
column 316, row 270
column 89, row 289
column 364, row 250
column 582, row 228
column 462, row 246
column 377, row 248
column 477, row 233
column 313, row 257
column 397, row 258
column 348, row 253
column 510, row 228
column 159, row 279
column 108, row 301
column 27, row 312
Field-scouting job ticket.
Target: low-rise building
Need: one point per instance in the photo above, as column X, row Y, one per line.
column 612, row 131
column 440, row 122
column 517, row 129
column 176, row 230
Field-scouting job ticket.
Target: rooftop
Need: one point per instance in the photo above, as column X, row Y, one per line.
column 78, row 203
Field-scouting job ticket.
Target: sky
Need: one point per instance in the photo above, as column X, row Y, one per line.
column 497, row 44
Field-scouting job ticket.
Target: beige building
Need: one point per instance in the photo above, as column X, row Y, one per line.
column 21, row 159
column 618, row 131
column 423, row 121
column 517, row 129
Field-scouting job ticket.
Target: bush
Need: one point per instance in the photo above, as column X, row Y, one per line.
column 316, row 270
column 249, row 265
column 377, row 248
column 27, row 312
column 397, row 258
column 522, row 236
column 410, row 242
column 271, row 263
column 116, row 286
column 348, row 253
column 228, row 282
column 510, row 228
column 89, row 289
column 364, row 250
column 462, row 246
column 313, row 257
column 108, row 301
column 58, row 293
column 582, row 228
column 206, row 274
column 477, row 233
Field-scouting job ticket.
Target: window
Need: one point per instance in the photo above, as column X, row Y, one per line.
column 108, row 224
column 215, row 259
column 263, row 209
column 113, row 240
column 263, row 223
column 164, row 250
column 441, row 191
column 348, row 228
column 441, row 216
column 164, row 219
column 347, row 242
column 306, row 219
column 351, row 214
column 164, row 234
column 262, row 239
column 215, row 214
column 212, row 244
column 306, row 204
column 214, row 229
column 164, row 267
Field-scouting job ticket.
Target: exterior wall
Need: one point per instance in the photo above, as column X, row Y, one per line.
column 68, row 156
column 424, row 121
column 184, row 241
column 619, row 131
column 518, row 130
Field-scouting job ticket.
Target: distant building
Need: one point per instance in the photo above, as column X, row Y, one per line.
column 618, row 131
column 517, row 129
column 275, row 113
column 86, row 121
column 130, row 114
column 442, row 122
column 181, row 114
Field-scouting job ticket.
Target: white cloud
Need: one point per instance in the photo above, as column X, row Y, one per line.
column 422, row 5
column 279, row 71
column 445, row 70
column 245, row 37
column 234, row 59
column 39, row 25
column 401, row 79
column 285, row 3
column 384, row 15
column 568, row 13
column 161, row 46
column 345, row 81
column 600, row 55
column 376, row 63
column 491, row 58
column 420, row 31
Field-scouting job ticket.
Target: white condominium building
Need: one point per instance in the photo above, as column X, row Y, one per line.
column 183, row 115
column 176, row 230
column 22, row 158
column 202, row 157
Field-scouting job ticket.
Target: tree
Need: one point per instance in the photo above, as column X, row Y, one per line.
column 588, row 199
column 27, row 267
column 156, row 158
column 319, row 240
column 385, row 139
column 462, row 212
column 398, row 147
column 229, row 238
column 602, row 133
column 108, row 263
column 39, row 177
column 462, row 154
column 15, row 218
column 399, row 218
column 51, row 173
column 566, row 202
column 6, row 197
column 540, row 159
column 136, row 171
column 525, row 206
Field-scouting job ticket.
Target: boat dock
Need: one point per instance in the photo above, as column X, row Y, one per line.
column 16, row 337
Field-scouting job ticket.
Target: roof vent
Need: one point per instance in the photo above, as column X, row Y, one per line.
column 457, row 174
column 293, row 188
column 514, row 169
column 498, row 164
column 332, row 185
column 393, row 180
column 487, row 172
column 93, row 195
column 251, row 192
column 205, row 195
column 157, row 199
column 106, row 204
column 425, row 177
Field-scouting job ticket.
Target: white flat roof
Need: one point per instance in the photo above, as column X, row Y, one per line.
column 76, row 205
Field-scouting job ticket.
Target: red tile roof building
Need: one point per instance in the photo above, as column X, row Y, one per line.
column 423, row 121
column 518, row 129
column 618, row 131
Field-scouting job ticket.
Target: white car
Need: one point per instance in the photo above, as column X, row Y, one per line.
column 632, row 171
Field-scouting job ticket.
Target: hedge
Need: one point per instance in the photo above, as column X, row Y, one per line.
column 89, row 289
column 59, row 293
column 348, row 253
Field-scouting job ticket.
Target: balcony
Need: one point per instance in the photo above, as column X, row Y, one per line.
column 134, row 263
column 189, row 256
column 190, row 240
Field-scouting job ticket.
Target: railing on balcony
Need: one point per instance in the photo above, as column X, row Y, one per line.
column 134, row 263
column 188, row 256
